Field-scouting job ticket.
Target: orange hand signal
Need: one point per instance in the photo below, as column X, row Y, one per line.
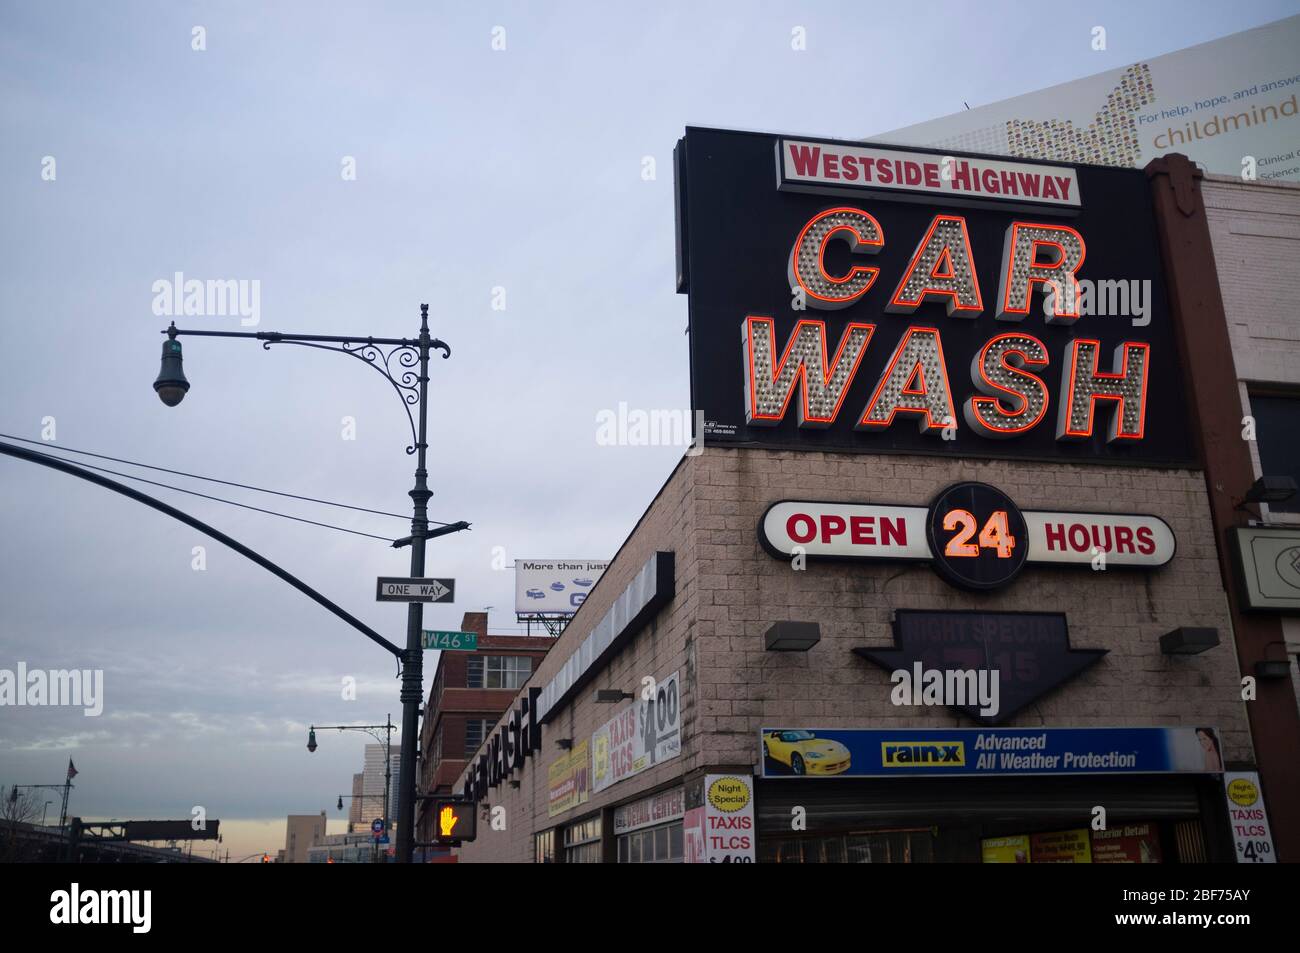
column 447, row 820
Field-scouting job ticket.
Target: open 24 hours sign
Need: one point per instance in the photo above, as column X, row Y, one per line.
column 973, row 535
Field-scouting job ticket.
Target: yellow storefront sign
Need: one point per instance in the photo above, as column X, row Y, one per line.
column 568, row 780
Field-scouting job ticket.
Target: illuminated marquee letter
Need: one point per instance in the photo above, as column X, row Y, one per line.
column 1082, row 385
column 769, row 384
column 530, row 722
column 807, row 269
column 994, row 374
column 513, row 750
column 942, row 266
column 494, row 761
column 915, row 382
column 1022, row 269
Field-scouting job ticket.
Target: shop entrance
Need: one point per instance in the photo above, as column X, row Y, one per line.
column 1148, row 818
column 906, row 846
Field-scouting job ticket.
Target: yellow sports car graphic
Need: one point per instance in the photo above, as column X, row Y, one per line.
column 804, row 753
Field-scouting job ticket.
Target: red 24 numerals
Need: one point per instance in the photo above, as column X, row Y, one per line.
column 995, row 534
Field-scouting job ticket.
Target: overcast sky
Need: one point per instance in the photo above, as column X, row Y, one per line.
column 476, row 169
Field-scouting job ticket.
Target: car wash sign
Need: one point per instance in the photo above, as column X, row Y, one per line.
column 853, row 297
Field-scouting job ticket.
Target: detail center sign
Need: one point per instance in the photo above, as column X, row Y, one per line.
column 863, row 298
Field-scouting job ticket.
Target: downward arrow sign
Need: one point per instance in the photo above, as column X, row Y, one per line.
column 1029, row 651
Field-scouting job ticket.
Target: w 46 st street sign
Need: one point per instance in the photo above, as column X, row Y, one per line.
column 449, row 641
column 407, row 589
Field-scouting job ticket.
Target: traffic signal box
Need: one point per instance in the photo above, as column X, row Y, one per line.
column 455, row 820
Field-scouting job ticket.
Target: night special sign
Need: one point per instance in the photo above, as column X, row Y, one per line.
column 1028, row 652
column 846, row 296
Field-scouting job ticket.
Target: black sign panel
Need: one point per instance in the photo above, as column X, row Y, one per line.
column 1029, row 651
column 977, row 536
column 746, row 236
column 170, row 830
column 455, row 820
column 410, row 589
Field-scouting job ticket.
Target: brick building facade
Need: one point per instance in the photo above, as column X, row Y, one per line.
column 467, row 696
column 1255, row 228
column 689, row 717
column 728, row 591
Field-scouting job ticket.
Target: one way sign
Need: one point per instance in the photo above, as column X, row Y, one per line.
column 405, row 589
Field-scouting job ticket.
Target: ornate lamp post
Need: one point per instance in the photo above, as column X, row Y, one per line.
column 409, row 378
column 374, row 731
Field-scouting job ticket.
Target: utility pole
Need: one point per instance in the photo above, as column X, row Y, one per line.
column 410, row 379
column 413, row 659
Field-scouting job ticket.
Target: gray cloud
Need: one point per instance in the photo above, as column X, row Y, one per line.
column 475, row 169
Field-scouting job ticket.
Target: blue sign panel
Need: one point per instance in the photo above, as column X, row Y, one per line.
column 891, row 753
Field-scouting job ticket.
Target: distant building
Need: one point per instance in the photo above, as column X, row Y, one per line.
column 302, row 832
column 353, row 848
column 470, row 690
column 371, row 802
column 355, row 823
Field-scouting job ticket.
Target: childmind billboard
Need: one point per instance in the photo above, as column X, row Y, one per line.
column 854, row 297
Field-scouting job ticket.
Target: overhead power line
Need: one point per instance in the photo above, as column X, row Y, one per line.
column 218, row 499
column 195, row 476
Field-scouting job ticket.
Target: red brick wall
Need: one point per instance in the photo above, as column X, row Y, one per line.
column 451, row 704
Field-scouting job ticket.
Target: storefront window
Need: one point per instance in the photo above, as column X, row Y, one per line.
column 864, row 847
column 582, row 841
column 1131, row 842
column 544, row 847
column 652, row 845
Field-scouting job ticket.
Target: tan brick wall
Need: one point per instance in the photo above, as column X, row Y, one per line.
column 1255, row 229
column 661, row 648
column 729, row 590
column 742, row 590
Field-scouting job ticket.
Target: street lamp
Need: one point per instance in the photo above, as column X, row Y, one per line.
column 387, row 740
column 374, row 854
column 171, row 384
column 409, row 378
